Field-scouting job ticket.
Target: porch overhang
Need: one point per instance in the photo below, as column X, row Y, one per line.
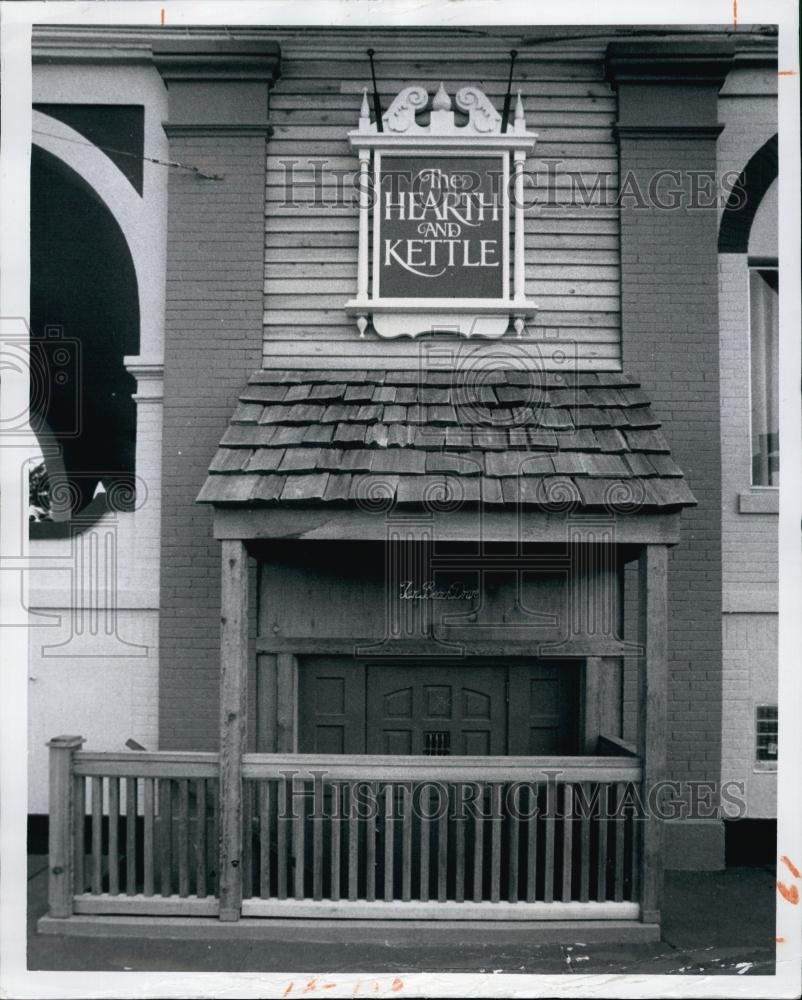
column 343, row 523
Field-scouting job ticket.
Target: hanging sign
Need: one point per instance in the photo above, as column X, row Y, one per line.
column 441, row 197
column 440, row 227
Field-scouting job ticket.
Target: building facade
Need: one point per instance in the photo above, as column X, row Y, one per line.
column 554, row 542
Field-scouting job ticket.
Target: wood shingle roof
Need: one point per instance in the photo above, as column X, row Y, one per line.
column 501, row 437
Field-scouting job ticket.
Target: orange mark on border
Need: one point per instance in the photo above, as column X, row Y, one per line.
column 780, row 940
column 735, row 13
column 792, row 868
column 398, row 984
column 786, row 72
column 289, row 988
column 788, row 892
column 162, row 15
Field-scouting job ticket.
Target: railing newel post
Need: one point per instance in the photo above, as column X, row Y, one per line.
column 61, row 825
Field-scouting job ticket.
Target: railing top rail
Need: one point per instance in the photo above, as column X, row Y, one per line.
column 147, row 764
column 348, row 767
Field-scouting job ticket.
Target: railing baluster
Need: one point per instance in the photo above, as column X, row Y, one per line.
column 183, row 837
column 353, row 845
column 601, row 847
column 247, row 839
column 317, row 839
column 459, row 847
column 495, row 845
column 425, row 842
column 618, row 890
column 148, row 810
column 264, row 839
column 636, row 826
column 114, row 836
column 281, row 839
column 336, row 828
column 406, row 842
column 442, row 844
column 389, row 841
column 299, row 824
column 200, row 837
column 370, row 845
column 165, row 834
column 79, row 824
column 214, row 839
column 568, row 838
column 548, row 864
column 531, row 845
column 584, row 879
column 130, row 836
column 97, row 835
column 479, row 846
column 513, row 824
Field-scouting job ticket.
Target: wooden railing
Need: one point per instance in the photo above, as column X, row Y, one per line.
column 390, row 837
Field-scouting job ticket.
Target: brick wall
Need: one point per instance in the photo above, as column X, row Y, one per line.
column 670, row 344
column 214, row 341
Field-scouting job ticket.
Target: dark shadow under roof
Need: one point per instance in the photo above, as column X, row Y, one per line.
column 501, row 437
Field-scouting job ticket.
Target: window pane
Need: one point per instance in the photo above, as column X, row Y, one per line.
column 764, row 334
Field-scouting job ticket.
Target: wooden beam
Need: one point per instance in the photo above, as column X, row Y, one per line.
column 233, row 722
column 462, row 525
column 60, row 854
column 266, row 703
column 652, row 690
column 286, row 703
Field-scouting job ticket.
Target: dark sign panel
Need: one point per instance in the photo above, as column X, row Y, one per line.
column 441, row 227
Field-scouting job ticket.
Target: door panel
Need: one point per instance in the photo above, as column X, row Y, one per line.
column 331, row 705
column 544, row 708
column 448, row 709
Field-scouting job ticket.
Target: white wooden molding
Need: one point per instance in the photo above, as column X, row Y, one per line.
column 403, row 136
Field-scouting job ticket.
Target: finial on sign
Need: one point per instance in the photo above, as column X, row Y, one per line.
column 441, row 100
column 520, row 122
column 364, row 111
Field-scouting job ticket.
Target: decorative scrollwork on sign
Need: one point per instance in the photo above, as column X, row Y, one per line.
column 482, row 116
column 400, row 116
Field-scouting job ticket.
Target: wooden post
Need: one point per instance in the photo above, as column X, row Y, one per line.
column 653, row 609
column 233, row 722
column 60, row 844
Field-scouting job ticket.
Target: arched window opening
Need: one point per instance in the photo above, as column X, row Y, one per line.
column 84, row 321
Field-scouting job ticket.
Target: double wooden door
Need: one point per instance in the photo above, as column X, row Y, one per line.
column 481, row 708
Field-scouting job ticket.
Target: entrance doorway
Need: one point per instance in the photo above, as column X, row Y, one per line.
column 476, row 707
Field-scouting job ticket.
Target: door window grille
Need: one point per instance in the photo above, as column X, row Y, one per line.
column 766, row 730
column 437, row 743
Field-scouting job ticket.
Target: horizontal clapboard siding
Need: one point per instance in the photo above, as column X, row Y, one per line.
column 572, row 252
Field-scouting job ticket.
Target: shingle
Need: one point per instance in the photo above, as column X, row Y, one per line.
column 606, row 465
column 306, row 413
column 490, row 440
column 334, row 413
column 432, row 395
column 359, row 393
column 395, row 414
column 274, row 414
column 543, row 440
column 246, row 434
column 444, row 415
column 428, row 438
column 384, row 394
column 579, row 440
column 230, row 459
column 470, row 464
column 379, row 434
column 551, row 419
column 588, row 417
column 247, row 413
column 268, row 488
column 570, row 463
column 265, row 460
column 639, row 464
column 491, row 491
column 369, row 413
column 665, row 465
column 634, row 396
column 401, row 460
column 318, row 434
column 673, row 492
column 338, row 487
column 263, row 393
column 373, row 492
column 309, row 487
column 611, row 440
column 297, row 393
column 328, row 390
column 300, row 460
column 399, row 436
column 504, row 463
column 288, row 435
column 353, row 434
column 643, row 440
column 357, row 459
